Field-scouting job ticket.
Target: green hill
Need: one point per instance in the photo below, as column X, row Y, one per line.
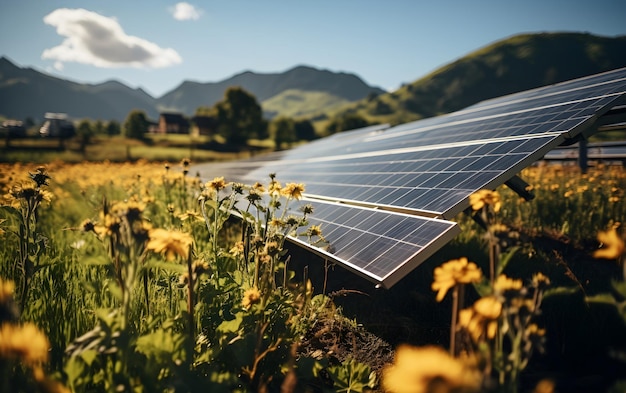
column 300, row 103
column 514, row 64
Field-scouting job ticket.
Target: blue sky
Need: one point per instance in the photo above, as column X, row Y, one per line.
column 156, row 44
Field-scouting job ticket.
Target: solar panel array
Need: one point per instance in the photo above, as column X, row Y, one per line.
column 427, row 168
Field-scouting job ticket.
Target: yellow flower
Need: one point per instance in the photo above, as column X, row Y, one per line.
column 488, row 307
column 481, row 198
column 250, row 296
column 428, row 369
column 275, row 188
column 534, row 330
column 237, row 249
column 481, row 320
column 456, row 271
column 26, row 343
column 170, row 243
column 217, row 184
column 293, row 190
column 258, row 187
column 504, row 283
column 315, row 230
column 539, row 280
column 6, row 291
column 544, row 386
column 613, row 245
column 191, row 216
column 277, row 223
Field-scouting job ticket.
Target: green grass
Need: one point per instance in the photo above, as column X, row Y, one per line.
column 171, row 148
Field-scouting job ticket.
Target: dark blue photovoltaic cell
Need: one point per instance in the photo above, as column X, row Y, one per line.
column 428, row 167
column 376, row 244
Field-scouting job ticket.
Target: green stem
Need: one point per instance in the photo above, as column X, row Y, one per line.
column 455, row 313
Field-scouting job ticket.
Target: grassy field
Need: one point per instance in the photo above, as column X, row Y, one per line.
column 170, row 147
column 135, row 279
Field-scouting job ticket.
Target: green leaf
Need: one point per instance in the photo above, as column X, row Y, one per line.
column 96, row 260
column 352, row 376
column 164, row 346
column 483, row 288
column 604, row 298
column 167, row 266
column 231, row 326
column 559, row 291
column 620, row 287
column 505, row 258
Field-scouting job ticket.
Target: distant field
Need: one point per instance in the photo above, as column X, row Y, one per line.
column 119, row 149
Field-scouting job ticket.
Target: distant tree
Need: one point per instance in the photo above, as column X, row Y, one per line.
column 284, row 131
column 346, row 122
column 381, row 108
column 98, row 127
column 205, row 111
column 84, row 131
column 29, row 122
column 240, row 117
column 113, row 128
column 371, row 96
column 136, row 125
column 304, row 130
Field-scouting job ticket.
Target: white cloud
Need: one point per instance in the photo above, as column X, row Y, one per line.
column 100, row 41
column 185, row 11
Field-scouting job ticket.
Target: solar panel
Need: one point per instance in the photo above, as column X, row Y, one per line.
column 370, row 242
column 430, row 167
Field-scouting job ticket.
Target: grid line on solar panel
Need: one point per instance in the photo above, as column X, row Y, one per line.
column 378, row 256
column 610, row 79
column 375, row 244
column 414, row 179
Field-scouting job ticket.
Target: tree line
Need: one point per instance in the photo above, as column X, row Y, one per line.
column 238, row 117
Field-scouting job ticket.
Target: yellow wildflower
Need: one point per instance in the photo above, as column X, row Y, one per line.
column 237, row 249
column 6, row 291
column 539, row 280
column 428, row 369
column 277, row 223
column 315, row 230
column 275, row 188
column 481, row 320
column 190, row 215
column 217, row 184
column 613, row 245
column 250, row 296
column 24, row 342
column 545, row 386
column 293, row 190
column 504, row 283
column 534, row 330
column 456, row 271
column 481, row 198
column 258, row 187
column 488, row 307
column 170, row 243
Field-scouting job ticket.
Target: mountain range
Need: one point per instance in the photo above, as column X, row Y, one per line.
column 513, row 64
column 25, row 92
